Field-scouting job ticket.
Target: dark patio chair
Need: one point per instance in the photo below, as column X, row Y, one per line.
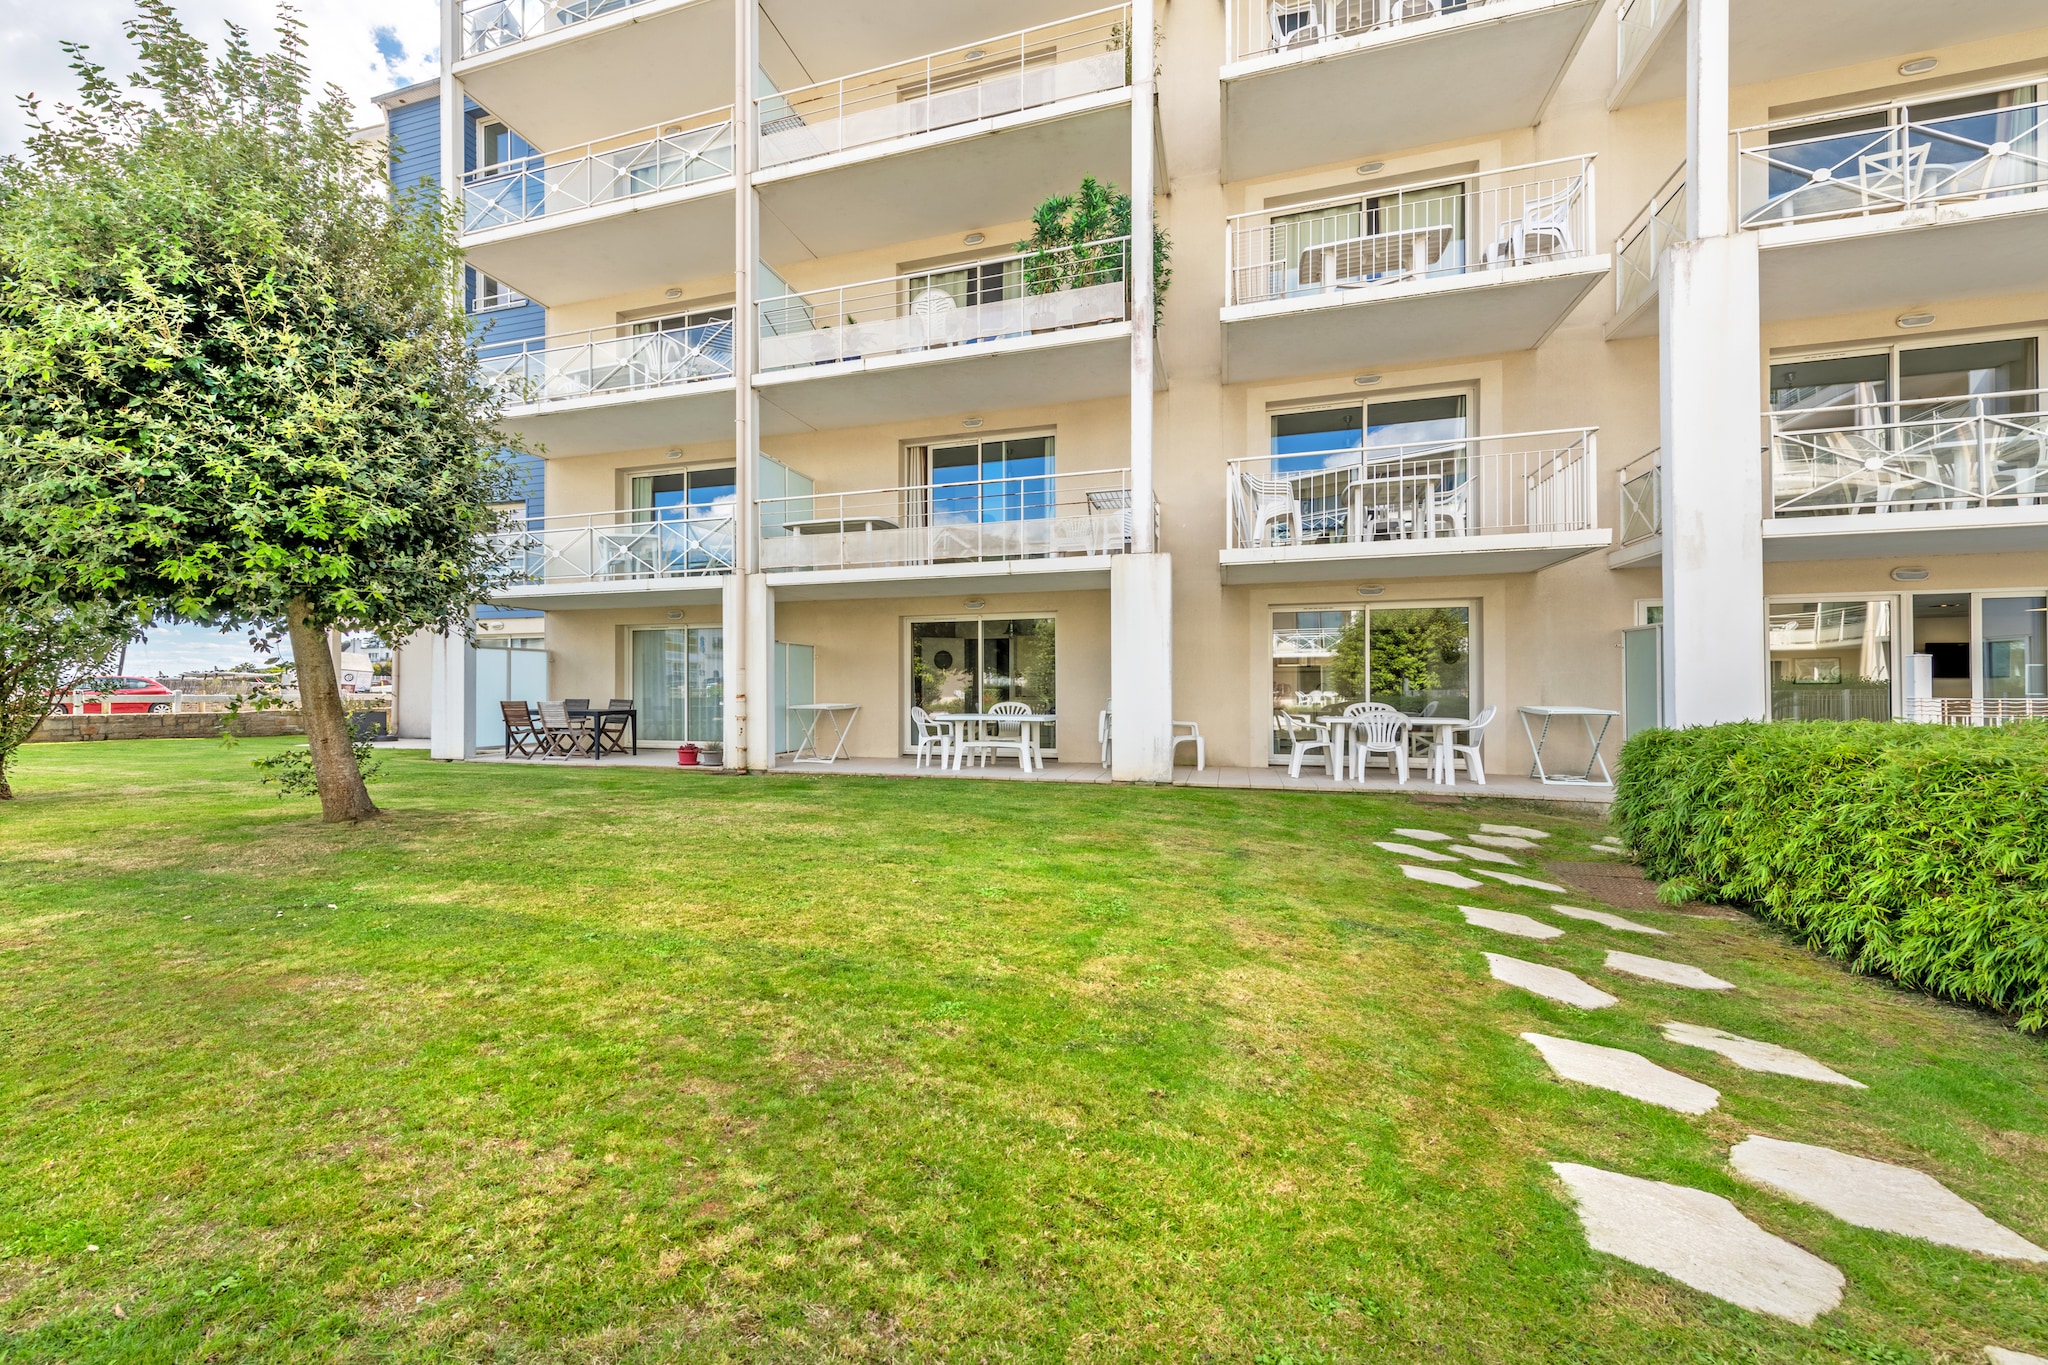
column 566, row 736
column 523, row 736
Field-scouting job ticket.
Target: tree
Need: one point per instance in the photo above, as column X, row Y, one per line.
column 239, row 385
column 1077, row 240
column 1409, row 646
column 46, row 651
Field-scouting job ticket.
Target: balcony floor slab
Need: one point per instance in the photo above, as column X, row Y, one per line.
column 623, row 247
column 1908, row 259
column 1447, row 557
column 702, row 590
column 1080, row 573
column 1894, row 535
column 600, row 423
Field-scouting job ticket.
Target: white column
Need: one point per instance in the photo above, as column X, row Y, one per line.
column 1716, row 664
column 761, row 673
column 1143, row 141
column 743, row 650
column 1141, row 668
column 451, row 103
column 451, row 729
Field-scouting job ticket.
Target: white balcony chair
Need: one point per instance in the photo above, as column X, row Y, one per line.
column 1194, row 737
column 1378, row 731
column 1265, row 507
column 933, row 742
column 1474, row 768
column 1102, row 733
column 999, row 739
column 1543, row 232
column 1296, row 23
column 1448, row 512
column 1317, row 738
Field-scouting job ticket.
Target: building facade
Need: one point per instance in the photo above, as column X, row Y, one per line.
column 1679, row 357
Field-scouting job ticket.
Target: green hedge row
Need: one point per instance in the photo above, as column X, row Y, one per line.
column 1918, row 852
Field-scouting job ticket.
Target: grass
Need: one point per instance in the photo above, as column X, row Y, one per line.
column 637, row 1065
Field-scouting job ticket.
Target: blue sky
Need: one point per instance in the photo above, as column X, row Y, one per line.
column 171, row 650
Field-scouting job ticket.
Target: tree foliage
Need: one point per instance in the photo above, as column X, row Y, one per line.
column 1410, row 648
column 239, row 384
column 46, row 651
column 1080, row 239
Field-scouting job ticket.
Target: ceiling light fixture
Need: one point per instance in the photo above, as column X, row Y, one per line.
column 1365, row 380
column 1907, row 575
column 1369, row 167
column 673, row 294
column 1916, row 319
column 977, row 54
column 1919, row 66
column 974, row 239
column 675, row 454
column 974, row 604
column 675, row 616
column 1371, row 589
column 971, row 422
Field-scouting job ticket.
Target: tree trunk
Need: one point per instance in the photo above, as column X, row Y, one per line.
column 342, row 793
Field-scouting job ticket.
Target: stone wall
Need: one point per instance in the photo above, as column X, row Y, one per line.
column 253, row 725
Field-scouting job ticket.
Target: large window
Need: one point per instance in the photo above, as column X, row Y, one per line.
column 968, row 665
column 1402, row 233
column 679, row 684
column 699, row 340
column 1831, row 660
column 1416, row 659
column 1380, row 464
column 1907, row 384
column 1008, row 479
column 691, row 512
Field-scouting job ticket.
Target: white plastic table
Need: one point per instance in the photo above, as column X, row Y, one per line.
column 1537, row 739
column 964, row 723
column 819, row 710
column 1443, row 768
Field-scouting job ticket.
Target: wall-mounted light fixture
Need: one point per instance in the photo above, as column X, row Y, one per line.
column 675, row 616
column 977, row 54
column 974, row 604
column 673, row 294
column 970, row 422
column 1365, row 381
column 975, row 238
column 1919, row 66
column 675, row 454
column 1371, row 589
column 1909, row 575
column 1916, row 319
column 1369, row 167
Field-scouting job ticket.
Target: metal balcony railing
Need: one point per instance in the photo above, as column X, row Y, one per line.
column 1641, row 246
column 488, row 25
column 1906, row 163
column 1003, row 75
column 1003, row 297
column 620, row 359
column 1024, row 516
column 1635, row 26
column 1486, row 221
column 1259, row 27
column 1642, row 497
column 666, row 156
column 608, row 547
column 1975, row 711
column 1468, row 489
column 1948, row 454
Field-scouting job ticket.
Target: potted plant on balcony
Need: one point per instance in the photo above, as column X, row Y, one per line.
column 1079, row 240
column 711, row 756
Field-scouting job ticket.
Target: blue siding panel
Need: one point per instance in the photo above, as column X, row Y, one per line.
column 415, row 131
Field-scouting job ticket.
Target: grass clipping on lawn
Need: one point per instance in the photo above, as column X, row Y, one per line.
column 1918, row 852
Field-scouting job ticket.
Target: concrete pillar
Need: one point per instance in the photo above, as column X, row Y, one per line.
column 1141, row 667
column 452, row 102
column 760, row 673
column 452, row 731
column 746, row 696
column 1143, row 180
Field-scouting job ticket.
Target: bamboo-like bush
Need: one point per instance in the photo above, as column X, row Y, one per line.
column 1917, row 852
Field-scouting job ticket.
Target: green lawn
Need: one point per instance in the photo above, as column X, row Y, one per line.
column 642, row 1065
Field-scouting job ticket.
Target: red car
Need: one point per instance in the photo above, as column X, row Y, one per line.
column 121, row 697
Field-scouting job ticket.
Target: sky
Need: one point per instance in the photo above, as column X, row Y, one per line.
column 365, row 46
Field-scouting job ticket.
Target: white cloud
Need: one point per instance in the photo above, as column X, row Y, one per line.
column 364, row 46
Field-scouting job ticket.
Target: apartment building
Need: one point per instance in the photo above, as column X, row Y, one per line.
column 1679, row 357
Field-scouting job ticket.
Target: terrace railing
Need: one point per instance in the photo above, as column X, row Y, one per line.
column 1635, row 29
column 1642, row 497
column 1986, row 450
column 1975, row 711
column 1467, row 489
column 646, row 161
column 605, row 547
column 1486, row 221
column 1025, row 516
column 1904, row 164
column 605, row 360
column 1003, row 75
column 488, row 25
column 1003, row 297
column 1260, row 27
column 1640, row 248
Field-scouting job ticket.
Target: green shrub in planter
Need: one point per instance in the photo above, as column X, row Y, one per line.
column 1918, row 852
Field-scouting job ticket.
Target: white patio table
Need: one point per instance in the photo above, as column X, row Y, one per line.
column 1586, row 715
column 965, row 725
column 1442, row 770
column 842, row 713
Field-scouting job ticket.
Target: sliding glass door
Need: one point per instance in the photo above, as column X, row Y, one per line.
column 1417, row 660
column 968, row 665
column 679, row 684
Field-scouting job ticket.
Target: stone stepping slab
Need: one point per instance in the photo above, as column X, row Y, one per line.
column 1437, row 876
column 1506, row 923
column 1484, row 855
column 1516, row 879
column 1878, row 1195
column 1428, row 855
column 1755, row 1056
column 1625, row 1073
column 1627, row 926
column 1998, row 1355
column 1670, row 973
column 1519, row 831
column 1504, row 841
column 1428, row 835
column 1552, row 983
column 1700, row 1240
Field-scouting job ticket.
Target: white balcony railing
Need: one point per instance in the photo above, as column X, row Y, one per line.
column 488, row 25
column 1987, row 450
column 1641, row 246
column 1003, row 297
column 621, row 359
column 646, row 161
column 1907, row 163
column 608, row 547
column 1259, row 27
column 1481, row 486
column 1026, row 516
column 996, row 76
column 1975, row 711
column 1486, row 221
column 1642, row 497
column 1635, row 26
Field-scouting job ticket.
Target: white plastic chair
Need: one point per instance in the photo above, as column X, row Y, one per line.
column 1102, row 733
column 933, row 741
column 1379, row 731
column 1544, row 230
column 1319, row 739
column 986, row 745
column 1470, row 749
column 1194, row 737
column 1268, row 503
column 1295, row 22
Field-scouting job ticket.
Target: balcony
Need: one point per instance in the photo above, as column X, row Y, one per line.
column 1938, row 476
column 1770, row 39
column 1010, row 331
column 1041, row 531
column 951, row 140
column 616, row 388
column 569, row 71
column 1302, row 77
column 1639, row 254
column 640, row 556
column 599, row 219
column 1900, row 214
column 1481, row 505
column 1642, row 514
column 1488, row 263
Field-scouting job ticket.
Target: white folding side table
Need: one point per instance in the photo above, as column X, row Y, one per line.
column 1537, row 739
column 819, row 710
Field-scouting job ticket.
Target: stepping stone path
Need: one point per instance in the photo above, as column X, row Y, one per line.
column 1438, row 876
column 1552, row 983
column 1701, row 1240
column 1428, row 855
column 1670, row 973
column 1484, row 855
column 1516, row 879
column 1627, row 926
column 1756, row 1056
column 1519, row 831
column 1876, row 1194
column 1998, row 1355
column 1429, row 835
column 1509, row 924
column 1624, row 1072
column 1504, row 841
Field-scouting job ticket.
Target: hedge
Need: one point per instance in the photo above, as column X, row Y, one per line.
column 1918, row 852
